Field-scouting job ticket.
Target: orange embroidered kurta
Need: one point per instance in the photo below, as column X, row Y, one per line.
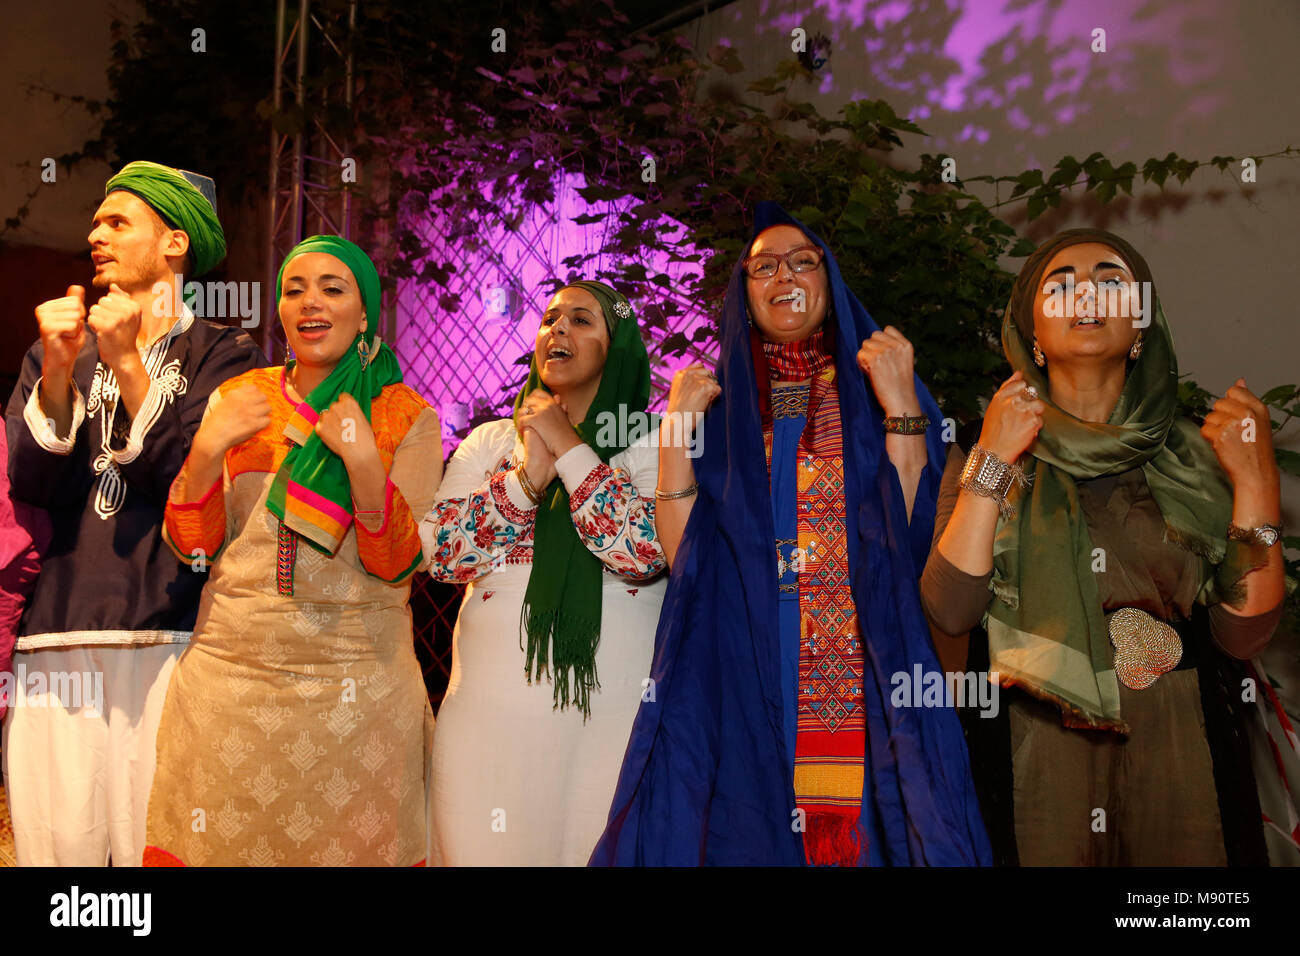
column 297, row 728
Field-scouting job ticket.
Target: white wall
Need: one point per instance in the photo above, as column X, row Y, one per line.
column 1006, row 85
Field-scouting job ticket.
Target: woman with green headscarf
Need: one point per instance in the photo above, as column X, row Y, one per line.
column 297, row 720
column 1124, row 562
column 549, row 519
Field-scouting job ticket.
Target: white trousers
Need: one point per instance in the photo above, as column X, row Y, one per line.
column 79, row 751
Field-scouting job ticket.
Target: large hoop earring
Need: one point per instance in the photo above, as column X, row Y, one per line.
column 1039, row 358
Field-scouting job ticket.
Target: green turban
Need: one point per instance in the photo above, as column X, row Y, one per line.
column 184, row 201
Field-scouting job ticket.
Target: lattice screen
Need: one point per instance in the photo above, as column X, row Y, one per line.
column 465, row 361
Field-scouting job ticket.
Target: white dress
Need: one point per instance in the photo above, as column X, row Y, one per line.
column 516, row 782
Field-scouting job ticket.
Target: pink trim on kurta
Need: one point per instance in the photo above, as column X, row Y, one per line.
column 327, row 508
column 191, row 505
column 388, row 511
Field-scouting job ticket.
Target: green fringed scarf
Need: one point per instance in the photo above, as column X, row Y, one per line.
column 1047, row 631
column 560, row 623
column 311, row 493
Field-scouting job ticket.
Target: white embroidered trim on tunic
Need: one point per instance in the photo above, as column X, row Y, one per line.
column 164, row 385
column 42, row 428
column 163, row 389
column 36, row 642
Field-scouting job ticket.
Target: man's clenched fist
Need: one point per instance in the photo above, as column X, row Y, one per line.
column 116, row 321
column 63, row 331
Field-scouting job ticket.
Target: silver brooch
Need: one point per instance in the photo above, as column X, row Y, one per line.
column 622, row 310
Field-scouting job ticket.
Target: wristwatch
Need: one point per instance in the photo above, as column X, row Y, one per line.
column 1266, row 534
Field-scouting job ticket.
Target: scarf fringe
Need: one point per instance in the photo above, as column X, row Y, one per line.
column 1195, row 543
column 832, row 838
column 570, row 664
column 1072, row 716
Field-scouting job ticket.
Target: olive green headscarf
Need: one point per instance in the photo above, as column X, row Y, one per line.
column 562, row 606
column 1047, row 631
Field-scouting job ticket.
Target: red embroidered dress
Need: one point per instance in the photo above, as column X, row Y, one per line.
column 801, row 419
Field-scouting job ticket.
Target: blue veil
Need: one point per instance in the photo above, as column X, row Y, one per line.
column 706, row 778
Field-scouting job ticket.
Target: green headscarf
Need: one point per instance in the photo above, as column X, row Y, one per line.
column 311, row 493
column 561, row 613
column 183, row 200
column 1047, row 631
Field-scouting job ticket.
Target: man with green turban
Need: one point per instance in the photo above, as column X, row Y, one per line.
column 99, row 424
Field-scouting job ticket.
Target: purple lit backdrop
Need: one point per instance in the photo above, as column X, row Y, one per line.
column 464, row 362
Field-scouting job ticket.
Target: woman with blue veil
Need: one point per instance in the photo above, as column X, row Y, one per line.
column 772, row 731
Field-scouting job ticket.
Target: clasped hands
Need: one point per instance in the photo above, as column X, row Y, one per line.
column 543, row 421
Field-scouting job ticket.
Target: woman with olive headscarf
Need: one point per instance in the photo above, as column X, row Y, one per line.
column 775, row 735
column 297, row 720
column 549, row 519
column 1093, row 562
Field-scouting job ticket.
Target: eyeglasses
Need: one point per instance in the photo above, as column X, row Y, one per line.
column 764, row 265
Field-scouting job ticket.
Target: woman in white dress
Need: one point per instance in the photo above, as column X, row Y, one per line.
column 549, row 519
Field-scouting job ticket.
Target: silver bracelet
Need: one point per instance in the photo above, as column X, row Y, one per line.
column 674, row 495
column 988, row 475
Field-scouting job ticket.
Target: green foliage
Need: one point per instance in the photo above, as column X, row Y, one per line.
column 491, row 136
column 1099, row 177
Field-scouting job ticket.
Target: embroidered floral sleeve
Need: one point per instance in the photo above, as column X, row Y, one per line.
column 615, row 521
column 481, row 513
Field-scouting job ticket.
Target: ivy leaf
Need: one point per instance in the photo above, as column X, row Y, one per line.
column 675, row 344
column 1030, row 179
column 1066, row 172
column 1287, row 460
column 855, row 215
column 810, row 215
column 1279, row 396
column 725, row 57
column 768, row 85
column 599, row 193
